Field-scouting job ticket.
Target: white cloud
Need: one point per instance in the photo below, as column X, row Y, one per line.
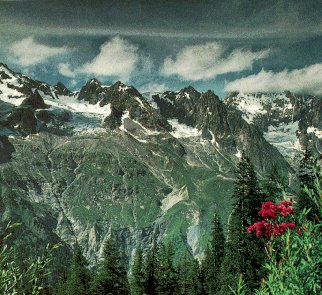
column 153, row 87
column 203, row 62
column 116, row 58
column 29, row 52
column 307, row 80
column 65, row 70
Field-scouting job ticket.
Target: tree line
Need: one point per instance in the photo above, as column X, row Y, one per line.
column 234, row 260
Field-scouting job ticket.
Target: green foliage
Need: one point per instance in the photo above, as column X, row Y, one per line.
column 190, row 280
column 150, row 279
column 111, row 277
column 166, row 274
column 309, row 180
column 275, row 183
column 244, row 254
column 214, row 254
column 78, row 281
column 136, row 281
column 13, row 279
column 295, row 259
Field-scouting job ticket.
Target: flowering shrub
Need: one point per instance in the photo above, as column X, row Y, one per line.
column 271, row 214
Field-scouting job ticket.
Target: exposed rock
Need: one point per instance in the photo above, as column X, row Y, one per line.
column 34, row 101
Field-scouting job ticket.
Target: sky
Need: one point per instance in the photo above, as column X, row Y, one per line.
column 225, row 46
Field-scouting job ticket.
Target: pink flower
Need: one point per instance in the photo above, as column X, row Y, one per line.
column 265, row 229
column 268, row 210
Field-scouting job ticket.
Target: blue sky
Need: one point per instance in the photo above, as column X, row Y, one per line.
column 234, row 45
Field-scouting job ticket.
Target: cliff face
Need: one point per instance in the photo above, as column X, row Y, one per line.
column 288, row 121
column 75, row 165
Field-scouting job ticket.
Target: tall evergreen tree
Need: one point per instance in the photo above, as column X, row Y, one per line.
column 189, row 276
column 166, row 274
column 111, row 278
column 244, row 253
column 137, row 282
column 150, row 279
column 309, row 169
column 78, row 281
column 275, row 184
column 214, row 254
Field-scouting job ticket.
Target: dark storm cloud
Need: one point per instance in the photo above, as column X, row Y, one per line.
column 234, row 18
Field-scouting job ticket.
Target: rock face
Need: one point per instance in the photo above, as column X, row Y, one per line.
column 73, row 166
column 288, row 121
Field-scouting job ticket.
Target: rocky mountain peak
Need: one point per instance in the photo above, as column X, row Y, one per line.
column 5, row 72
column 291, row 122
column 94, row 81
column 61, row 89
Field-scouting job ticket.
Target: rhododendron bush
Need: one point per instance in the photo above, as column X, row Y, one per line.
column 293, row 245
column 272, row 214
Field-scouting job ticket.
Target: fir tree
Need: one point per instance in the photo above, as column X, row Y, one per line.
column 309, row 169
column 189, row 276
column 275, row 184
column 78, row 281
column 150, row 280
column 111, row 277
column 244, row 253
column 166, row 274
column 137, row 282
column 213, row 257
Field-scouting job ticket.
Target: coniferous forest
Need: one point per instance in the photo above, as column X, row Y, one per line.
column 271, row 244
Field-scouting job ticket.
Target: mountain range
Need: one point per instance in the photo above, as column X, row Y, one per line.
column 76, row 164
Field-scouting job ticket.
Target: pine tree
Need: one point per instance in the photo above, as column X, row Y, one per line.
column 78, row 281
column 136, row 282
column 307, row 175
column 189, row 276
column 150, row 279
column 111, row 277
column 244, row 253
column 166, row 274
column 214, row 254
column 275, row 184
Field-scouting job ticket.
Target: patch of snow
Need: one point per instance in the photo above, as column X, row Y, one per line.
column 123, row 88
column 124, row 116
column 182, row 130
column 146, row 130
column 317, row 132
column 193, row 233
column 6, row 71
column 213, row 139
column 73, row 104
column 166, row 99
column 238, row 154
column 140, row 102
column 11, row 95
column 150, row 100
column 173, row 198
column 252, row 105
column 284, row 138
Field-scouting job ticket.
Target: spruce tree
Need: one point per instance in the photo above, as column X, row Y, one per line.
column 78, row 281
column 137, row 282
column 214, row 254
column 111, row 277
column 166, row 274
column 189, row 276
column 244, row 253
column 307, row 175
column 275, row 184
column 150, row 279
